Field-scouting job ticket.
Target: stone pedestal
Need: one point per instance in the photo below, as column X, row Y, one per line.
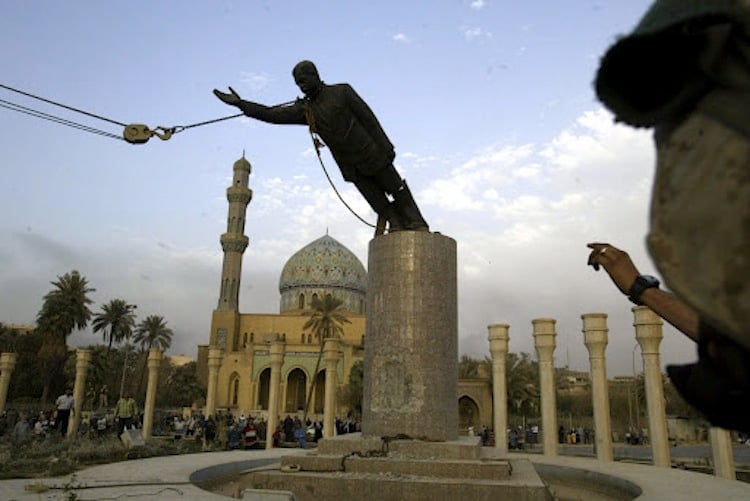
column 411, row 348
column 83, row 358
column 648, row 333
column 498, row 336
column 331, row 354
column 154, row 361
column 595, row 338
column 544, row 342
column 7, row 363
column 369, row 468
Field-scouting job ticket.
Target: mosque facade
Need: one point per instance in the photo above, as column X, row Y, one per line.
column 238, row 355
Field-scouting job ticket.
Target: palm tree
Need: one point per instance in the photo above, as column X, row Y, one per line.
column 116, row 321
column 65, row 308
column 522, row 382
column 326, row 321
column 152, row 332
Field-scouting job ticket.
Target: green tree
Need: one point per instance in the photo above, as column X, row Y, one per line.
column 25, row 382
column 182, row 387
column 65, row 309
column 468, row 367
column 326, row 321
column 354, row 391
column 115, row 322
column 522, row 383
column 153, row 332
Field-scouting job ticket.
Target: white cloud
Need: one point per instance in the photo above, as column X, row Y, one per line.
column 401, row 37
column 471, row 33
column 255, row 82
column 478, row 4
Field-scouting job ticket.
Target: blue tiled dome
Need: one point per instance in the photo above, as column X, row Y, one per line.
column 323, row 266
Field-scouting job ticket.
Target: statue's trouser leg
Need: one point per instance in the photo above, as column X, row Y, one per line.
column 376, row 196
column 408, row 210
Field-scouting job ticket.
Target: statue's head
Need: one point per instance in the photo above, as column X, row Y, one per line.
column 306, row 77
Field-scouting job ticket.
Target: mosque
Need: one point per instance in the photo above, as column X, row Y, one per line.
column 238, row 356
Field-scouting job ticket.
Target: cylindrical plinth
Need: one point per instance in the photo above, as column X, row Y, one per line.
column 7, row 363
column 83, row 359
column 332, row 355
column 648, row 333
column 595, row 338
column 411, row 347
column 498, row 336
column 544, row 342
column 153, row 361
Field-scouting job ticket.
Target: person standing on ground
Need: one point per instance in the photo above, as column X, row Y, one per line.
column 64, row 404
column 125, row 411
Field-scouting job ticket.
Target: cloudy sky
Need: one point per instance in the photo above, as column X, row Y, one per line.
column 489, row 103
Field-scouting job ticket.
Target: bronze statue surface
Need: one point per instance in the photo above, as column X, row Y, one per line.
column 358, row 143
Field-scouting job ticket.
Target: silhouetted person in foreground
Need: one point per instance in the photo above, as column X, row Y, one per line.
column 685, row 71
column 351, row 131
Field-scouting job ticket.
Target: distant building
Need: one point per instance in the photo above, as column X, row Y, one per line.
column 180, row 360
column 21, row 328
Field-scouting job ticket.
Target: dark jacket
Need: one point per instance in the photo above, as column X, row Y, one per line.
column 343, row 121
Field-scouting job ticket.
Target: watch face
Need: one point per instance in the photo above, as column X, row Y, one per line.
column 649, row 281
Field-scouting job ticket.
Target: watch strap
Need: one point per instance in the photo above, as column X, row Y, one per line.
column 642, row 282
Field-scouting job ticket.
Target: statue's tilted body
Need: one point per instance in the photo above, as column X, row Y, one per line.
column 354, row 136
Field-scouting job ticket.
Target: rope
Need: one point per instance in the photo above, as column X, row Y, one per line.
column 317, row 143
column 63, row 106
column 62, row 121
column 181, row 128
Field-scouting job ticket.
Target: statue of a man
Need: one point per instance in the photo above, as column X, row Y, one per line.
column 353, row 134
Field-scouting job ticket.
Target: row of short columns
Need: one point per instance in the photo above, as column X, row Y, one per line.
column 648, row 333
column 83, row 361
column 331, row 356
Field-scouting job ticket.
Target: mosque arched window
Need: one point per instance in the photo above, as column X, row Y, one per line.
column 252, row 337
column 244, row 340
column 301, row 301
column 309, row 338
column 235, row 389
column 302, row 338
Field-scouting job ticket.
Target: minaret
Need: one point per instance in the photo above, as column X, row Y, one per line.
column 234, row 242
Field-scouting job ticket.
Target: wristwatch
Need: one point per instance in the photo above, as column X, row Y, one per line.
column 642, row 282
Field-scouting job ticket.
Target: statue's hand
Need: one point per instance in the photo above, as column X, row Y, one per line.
column 232, row 99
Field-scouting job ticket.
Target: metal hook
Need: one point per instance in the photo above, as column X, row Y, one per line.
column 140, row 133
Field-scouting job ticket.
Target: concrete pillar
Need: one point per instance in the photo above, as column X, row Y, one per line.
column 214, row 363
column 276, row 353
column 331, row 354
column 83, row 359
column 154, row 361
column 648, row 333
column 595, row 338
column 544, row 341
column 498, row 336
column 723, row 456
column 7, row 364
column 411, row 360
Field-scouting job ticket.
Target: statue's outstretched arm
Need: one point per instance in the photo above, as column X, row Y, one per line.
column 283, row 114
